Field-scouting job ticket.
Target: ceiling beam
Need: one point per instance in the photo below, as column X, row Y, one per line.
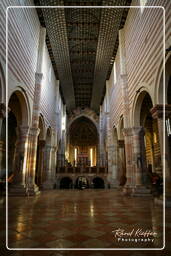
column 110, row 18
column 56, row 28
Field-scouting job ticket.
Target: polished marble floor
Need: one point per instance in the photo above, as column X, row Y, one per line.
column 84, row 219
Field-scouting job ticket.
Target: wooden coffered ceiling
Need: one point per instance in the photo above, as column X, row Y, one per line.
column 82, row 44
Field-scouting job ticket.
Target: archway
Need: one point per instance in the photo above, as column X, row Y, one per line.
column 81, row 182
column 66, row 183
column 18, row 117
column 98, row 183
column 83, row 142
column 143, row 118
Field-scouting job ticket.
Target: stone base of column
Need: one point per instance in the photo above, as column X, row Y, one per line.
column 141, row 191
column 158, row 200
column 33, row 190
column 21, row 190
column 127, row 190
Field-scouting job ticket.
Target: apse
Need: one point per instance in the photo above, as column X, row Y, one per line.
column 83, row 142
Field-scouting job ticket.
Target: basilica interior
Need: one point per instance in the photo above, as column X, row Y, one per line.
column 85, row 127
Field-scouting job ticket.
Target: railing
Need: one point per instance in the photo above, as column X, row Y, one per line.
column 82, row 170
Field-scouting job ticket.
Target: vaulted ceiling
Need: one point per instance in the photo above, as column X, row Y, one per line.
column 82, row 44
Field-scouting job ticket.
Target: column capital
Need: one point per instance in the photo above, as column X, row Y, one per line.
column 158, row 109
column 23, row 130
column 34, row 131
column 138, row 130
column 38, row 77
column 127, row 131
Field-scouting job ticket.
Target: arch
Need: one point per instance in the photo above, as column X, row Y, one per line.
column 115, row 133
column 81, row 182
column 18, row 104
column 2, row 85
column 66, row 183
column 137, row 106
column 18, row 117
column 98, row 183
column 83, row 139
column 158, row 88
column 86, row 116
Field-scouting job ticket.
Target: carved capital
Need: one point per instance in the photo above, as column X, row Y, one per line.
column 23, row 130
column 158, row 110
column 138, row 130
column 34, row 132
column 127, row 131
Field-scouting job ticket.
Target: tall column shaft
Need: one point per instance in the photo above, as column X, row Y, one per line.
column 41, row 160
column 157, row 113
column 128, row 155
column 49, row 175
column 112, row 151
column 139, row 163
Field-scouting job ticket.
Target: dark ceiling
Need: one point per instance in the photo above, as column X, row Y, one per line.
column 82, row 44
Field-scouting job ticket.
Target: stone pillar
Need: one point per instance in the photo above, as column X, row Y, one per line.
column 121, row 162
column 33, row 137
column 31, row 187
column 19, row 183
column 126, row 114
column 40, row 162
column 49, row 175
column 157, row 113
column 101, row 150
column 112, row 151
column 139, row 163
column 127, row 132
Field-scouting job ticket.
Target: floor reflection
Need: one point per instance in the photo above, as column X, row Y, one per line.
column 82, row 219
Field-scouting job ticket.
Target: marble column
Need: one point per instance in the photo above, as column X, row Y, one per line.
column 112, row 151
column 49, row 175
column 139, row 163
column 19, row 182
column 127, row 132
column 121, row 162
column 31, row 187
column 41, row 160
column 158, row 113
